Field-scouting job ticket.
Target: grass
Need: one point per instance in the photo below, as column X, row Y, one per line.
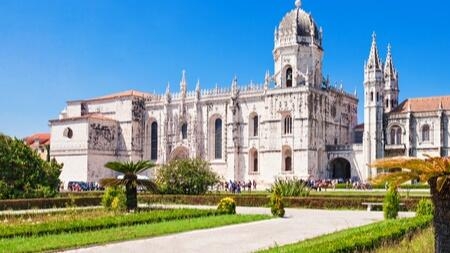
column 75, row 240
column 420, row 242
column 359, row 239
column 98, row 221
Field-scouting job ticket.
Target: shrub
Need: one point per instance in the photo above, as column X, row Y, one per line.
column 114, row 199
column 227, row 205
column 391, row 203
column 290, row 187
column 424, row 207
column 276, row 203
column 188, row 176
column 23, row 173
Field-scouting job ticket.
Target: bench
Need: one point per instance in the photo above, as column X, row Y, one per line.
column 371, row 204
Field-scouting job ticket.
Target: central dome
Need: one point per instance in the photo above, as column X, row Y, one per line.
column 301, row 24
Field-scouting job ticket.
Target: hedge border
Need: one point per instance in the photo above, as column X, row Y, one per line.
column 360, row 239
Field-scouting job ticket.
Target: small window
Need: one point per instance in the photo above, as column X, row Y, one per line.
column 289, row 77
column 396, row 135
column 255, row 125
column 218, row 139
column 68, row 133
column 184, row 131
column 426, row 133
column 371, row 96
column 287, row 124
column 154, row 141
column 288, row 164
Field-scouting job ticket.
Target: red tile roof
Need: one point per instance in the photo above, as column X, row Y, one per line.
column 427, row 104
column 44, row 138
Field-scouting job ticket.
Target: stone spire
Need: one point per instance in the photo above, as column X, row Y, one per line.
column 168, row 95
column 234, row 88
column 197, row 91
column 298, row 4
column 183, row 83
column 374, row 59
column 389, row 70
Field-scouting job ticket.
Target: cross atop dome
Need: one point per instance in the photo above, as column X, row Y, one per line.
column 298, row 4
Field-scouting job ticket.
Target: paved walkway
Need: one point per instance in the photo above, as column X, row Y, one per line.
column 299, row 224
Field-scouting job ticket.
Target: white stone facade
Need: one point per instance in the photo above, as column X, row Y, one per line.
column 294, row 124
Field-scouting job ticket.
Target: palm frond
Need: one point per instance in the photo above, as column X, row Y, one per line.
column 413, row 164
column 110, row 182
column 395, row 178
column 148, row 184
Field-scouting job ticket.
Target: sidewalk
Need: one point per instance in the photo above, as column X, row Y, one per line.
column 299, row 224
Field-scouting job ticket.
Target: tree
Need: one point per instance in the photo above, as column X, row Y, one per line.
column 186, row 176
column 23, row 174
column 435, row 171
column 130, row 179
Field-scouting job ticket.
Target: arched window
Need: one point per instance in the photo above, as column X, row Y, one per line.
column 253, row 161
column 399, row 135
column 426, row 133
column 396, row 135
column 371, row 96
column 253, row 125
column 154, row 141
column 218, row 139
column 287, row 159
column 287, row 125
column 392, row 136
column 289, row 77
column 184, row 131
column 288, row 164
column 68, row 133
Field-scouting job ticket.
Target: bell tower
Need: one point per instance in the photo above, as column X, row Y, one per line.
column 373, row 145
column 298, row 50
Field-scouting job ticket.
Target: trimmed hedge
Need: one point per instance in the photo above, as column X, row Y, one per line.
column 361, row 239
column 98, row 223
column 44, row 203
column 382, row 186
column 263, row 200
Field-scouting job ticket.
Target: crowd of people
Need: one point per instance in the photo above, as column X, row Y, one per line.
column 78, row 186
column 324, row 184
column 237, row 186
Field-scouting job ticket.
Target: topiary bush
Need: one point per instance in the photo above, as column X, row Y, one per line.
column 424, row 208
column 391, row 204
column 114, row 199
column 276, row 204
column 227, row 205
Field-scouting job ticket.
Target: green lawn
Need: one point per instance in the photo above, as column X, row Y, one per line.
column 79, row 239
column 361, row 239
column 421, row 242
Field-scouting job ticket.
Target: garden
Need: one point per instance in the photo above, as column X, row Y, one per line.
column 56, row 221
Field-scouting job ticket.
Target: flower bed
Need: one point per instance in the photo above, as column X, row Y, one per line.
column 102, row 222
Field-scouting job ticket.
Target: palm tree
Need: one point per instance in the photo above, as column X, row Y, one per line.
column 435, row 171
column 130, row 179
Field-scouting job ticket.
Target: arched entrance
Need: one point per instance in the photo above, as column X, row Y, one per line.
column 178, row 153
column 340, row 168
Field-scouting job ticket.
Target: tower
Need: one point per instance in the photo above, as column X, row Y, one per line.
column 298, row 50
column 390, row 83
column 373, row 144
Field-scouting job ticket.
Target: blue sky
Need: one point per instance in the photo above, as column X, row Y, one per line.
column 54, row 51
